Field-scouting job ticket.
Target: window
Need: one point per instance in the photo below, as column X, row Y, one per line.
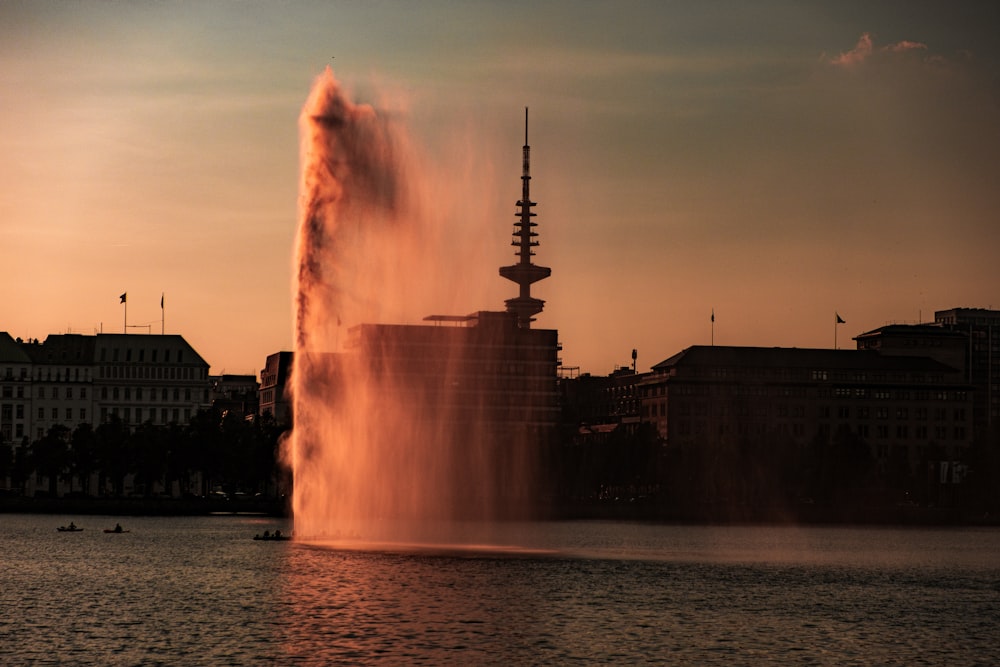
column 41, row 413
column 83, row 414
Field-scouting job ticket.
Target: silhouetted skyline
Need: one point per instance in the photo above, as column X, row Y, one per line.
column 770, row 163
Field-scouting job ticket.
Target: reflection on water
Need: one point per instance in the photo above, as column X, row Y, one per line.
column 200, row 591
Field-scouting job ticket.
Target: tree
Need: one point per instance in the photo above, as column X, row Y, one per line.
column 83, row 454
column 50, row 455
column 148, row 456
column 112, row 453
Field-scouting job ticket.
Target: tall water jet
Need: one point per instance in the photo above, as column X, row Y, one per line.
column 399, row 429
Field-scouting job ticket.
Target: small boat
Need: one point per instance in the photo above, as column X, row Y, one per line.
column 71, row 528
column 116, row 529
column 276, row 536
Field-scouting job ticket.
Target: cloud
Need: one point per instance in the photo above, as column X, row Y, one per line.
column 865, row 49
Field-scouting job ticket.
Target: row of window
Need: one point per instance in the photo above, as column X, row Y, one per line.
column 686, row 427
column 140, row 355
column 862, row 412
column 7, row 411
column 8, row 391
column 67, row 392
column 150, row 393
column 51, row 373
column 140, row 415
column 152, row 373
column 68, row 412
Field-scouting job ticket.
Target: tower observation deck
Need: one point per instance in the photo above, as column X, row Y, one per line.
column 524, row 273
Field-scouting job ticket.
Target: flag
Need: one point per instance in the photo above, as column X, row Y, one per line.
column 161, row 301
column 713, row 314
column 122, row 297
column 840, row 320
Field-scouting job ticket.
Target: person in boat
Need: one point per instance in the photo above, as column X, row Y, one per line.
column 72, row 526
column 267, row 534
column 118, row 528
column 277, row 534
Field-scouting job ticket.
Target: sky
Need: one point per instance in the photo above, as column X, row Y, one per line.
column 773, row 163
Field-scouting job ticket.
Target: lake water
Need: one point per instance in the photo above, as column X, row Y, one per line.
column 199, row 591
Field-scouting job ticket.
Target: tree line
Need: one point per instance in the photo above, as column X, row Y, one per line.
column 214, row 450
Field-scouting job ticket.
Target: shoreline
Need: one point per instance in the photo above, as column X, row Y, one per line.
column 278, row 507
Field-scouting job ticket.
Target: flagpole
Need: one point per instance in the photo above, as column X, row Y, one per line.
column 713, row 327
column 837, row 321
column 163, row 315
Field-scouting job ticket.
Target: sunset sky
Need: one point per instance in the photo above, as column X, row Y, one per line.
column 776, row 161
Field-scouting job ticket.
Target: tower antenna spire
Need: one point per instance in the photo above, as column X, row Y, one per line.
column 524, row 273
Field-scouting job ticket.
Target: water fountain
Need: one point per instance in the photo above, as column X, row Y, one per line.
column 402, row 433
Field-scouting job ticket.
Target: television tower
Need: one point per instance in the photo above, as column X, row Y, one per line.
column 524, row 273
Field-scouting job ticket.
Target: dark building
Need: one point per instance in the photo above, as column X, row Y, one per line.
column 235, row 394
column 77, row 379
column 597, row 405
column 159, row 379
column 965, row 338
column 274, row 399
column 913, row 412
column 481, row 369
column 982, row 327
column 15, row 391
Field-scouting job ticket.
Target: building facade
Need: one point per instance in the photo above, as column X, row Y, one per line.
column 73, row 379
column 274, row 399
column 235, row 394
column 479, row 369
column 15, row 390
column 910, row 410
column 982, row 327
